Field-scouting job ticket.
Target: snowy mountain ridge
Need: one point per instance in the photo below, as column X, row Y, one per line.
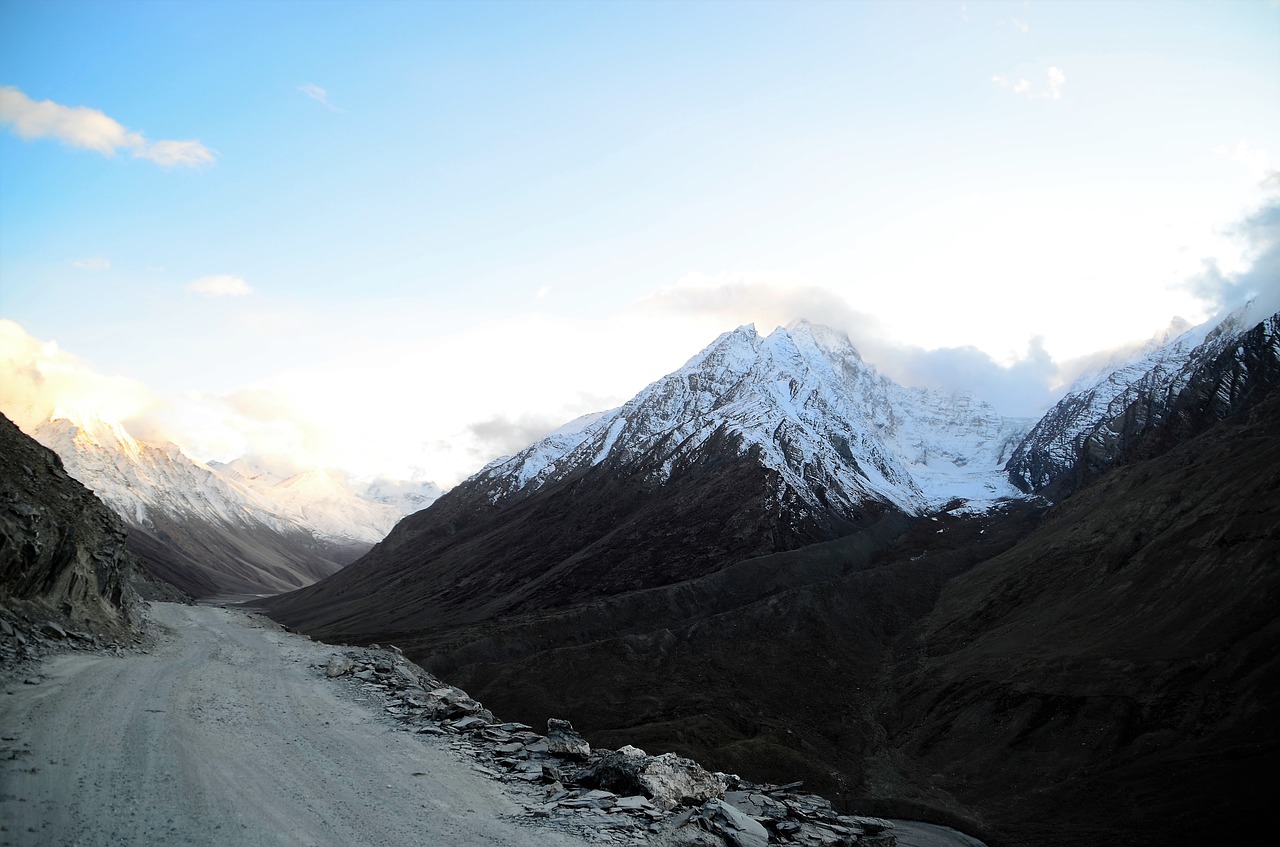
column 838, row 433
column 137, row 479
column 1087, row 423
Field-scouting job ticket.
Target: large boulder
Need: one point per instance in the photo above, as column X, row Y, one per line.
column 667, row 780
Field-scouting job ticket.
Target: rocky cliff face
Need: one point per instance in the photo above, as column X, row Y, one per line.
column 62, row 552
column 1176, row 388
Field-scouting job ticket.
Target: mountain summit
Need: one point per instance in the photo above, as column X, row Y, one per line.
column 801, row 401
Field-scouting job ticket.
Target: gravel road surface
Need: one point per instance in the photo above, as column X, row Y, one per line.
column 224, row 734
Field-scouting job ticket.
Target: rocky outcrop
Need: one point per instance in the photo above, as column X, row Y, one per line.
column 62, row 552
column 667, row 780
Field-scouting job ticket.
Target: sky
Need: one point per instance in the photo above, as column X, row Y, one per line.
column 402, row 239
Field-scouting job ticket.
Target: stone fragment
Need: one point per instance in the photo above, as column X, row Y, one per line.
column 756, row 804
column 563, row 740
column 51, row 628
column 338, row 666
column 872, row 826
column 738, row 829
column 406, row 674
column 513, row 727
column 635, row 802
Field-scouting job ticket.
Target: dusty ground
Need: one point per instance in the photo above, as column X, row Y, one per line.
column 224, row 735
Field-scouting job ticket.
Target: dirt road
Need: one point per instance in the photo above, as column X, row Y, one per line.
column 224, row 735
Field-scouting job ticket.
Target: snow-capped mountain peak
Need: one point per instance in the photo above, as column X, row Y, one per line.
column 137, row 478
column 838, row 434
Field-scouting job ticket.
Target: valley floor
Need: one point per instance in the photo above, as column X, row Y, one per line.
column 225, row 734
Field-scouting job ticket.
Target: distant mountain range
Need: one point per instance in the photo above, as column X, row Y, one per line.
column 779, row 562
column 225, row 529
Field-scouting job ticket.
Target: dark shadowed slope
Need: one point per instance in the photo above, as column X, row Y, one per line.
column 1116, row 675
column 603, row 532
column 1032, row 675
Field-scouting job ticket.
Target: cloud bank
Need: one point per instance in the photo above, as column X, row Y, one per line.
column 38, row 380
column 1024, row 387
column 1260, row 282
column 90, row 129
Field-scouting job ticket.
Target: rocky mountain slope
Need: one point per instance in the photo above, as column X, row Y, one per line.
column 62, row 552
column 1033, row 673
column 210, row 531
column 1189, row 379
column 757, row 445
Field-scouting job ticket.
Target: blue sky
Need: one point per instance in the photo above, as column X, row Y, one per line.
column 405, row 237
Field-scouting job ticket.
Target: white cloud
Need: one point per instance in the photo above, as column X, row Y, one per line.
column 1254, row 158
column 189, row 154
column 1055, row 81
column 1015, row 23
column 1259, row 279
column 1022, row 386
column 38, row 380
column 318, row 94
column 90, row 129
column 220, row 285
column 93, row 263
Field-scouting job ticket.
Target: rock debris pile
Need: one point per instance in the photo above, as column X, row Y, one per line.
column 612, row 796
column 25, row 639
